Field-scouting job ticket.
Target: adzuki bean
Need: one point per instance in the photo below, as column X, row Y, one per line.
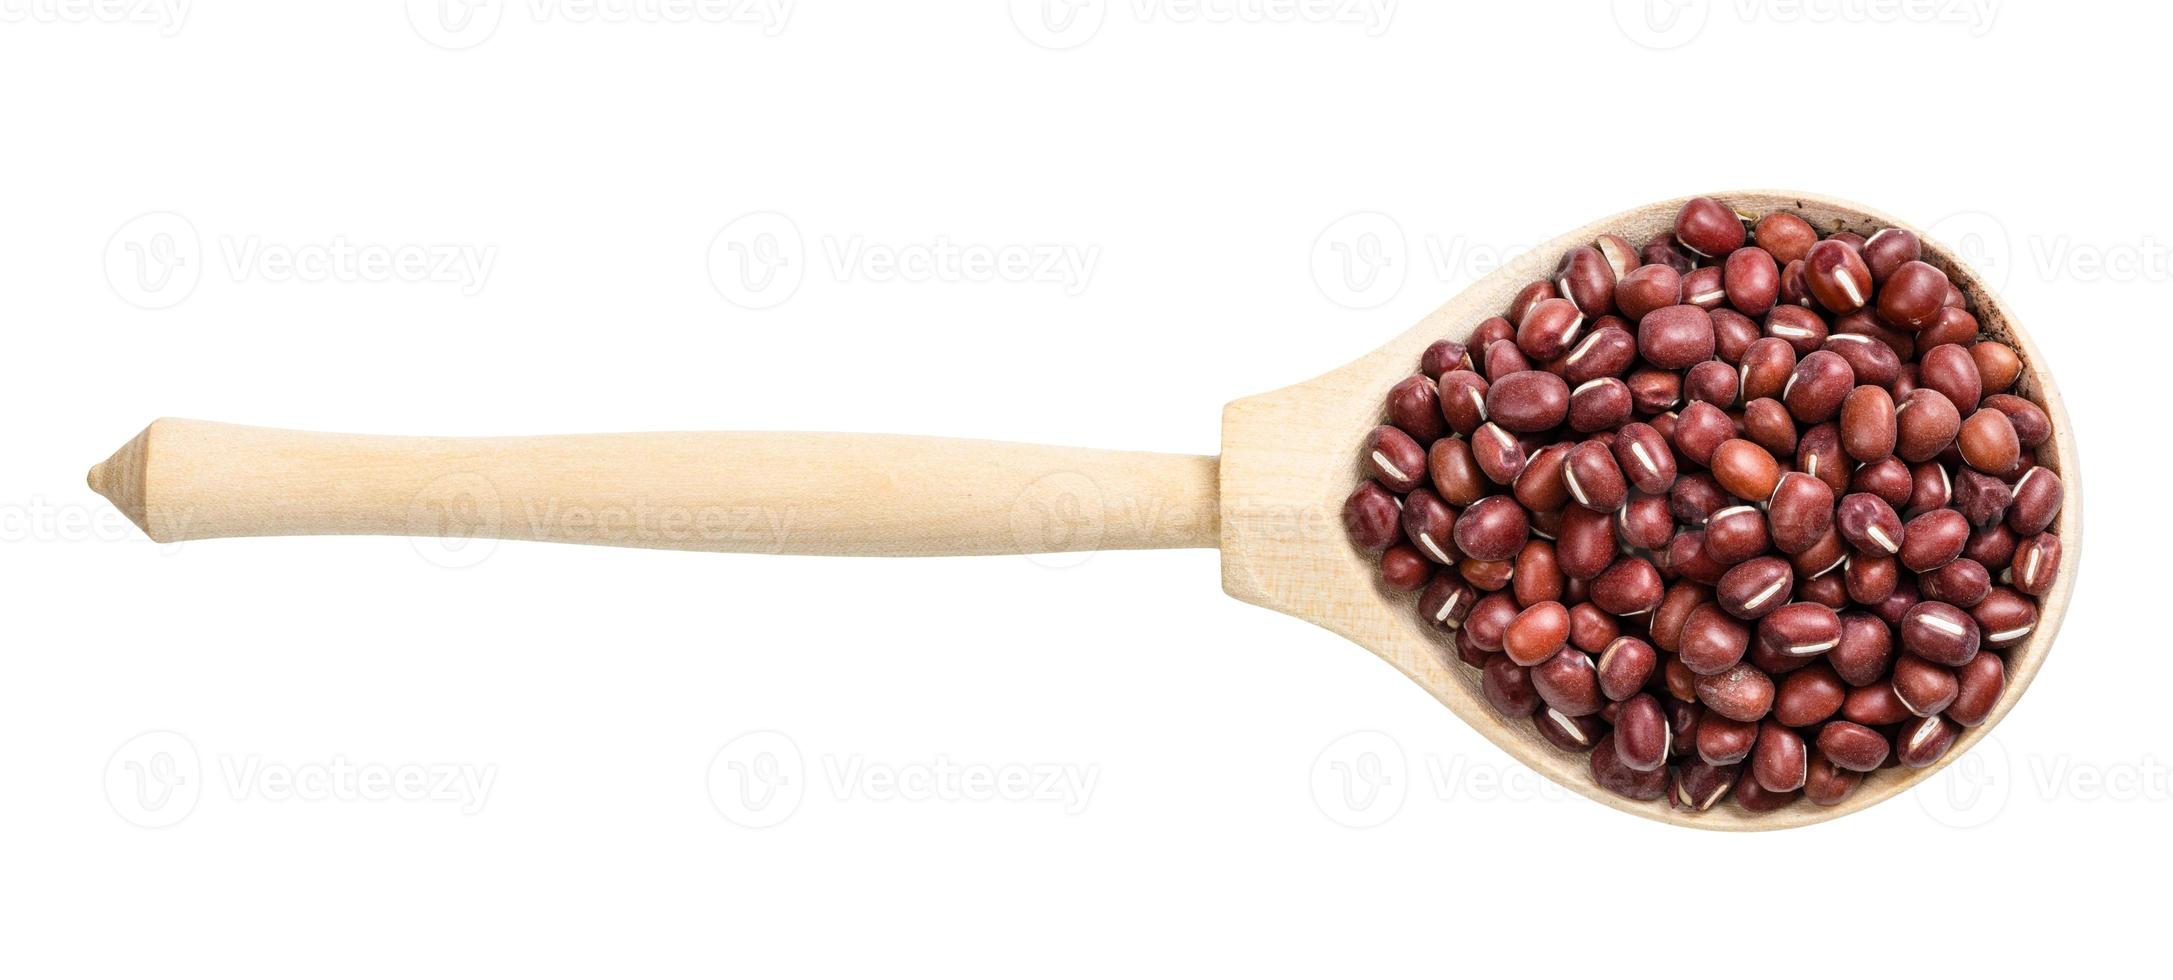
column 1744, row 513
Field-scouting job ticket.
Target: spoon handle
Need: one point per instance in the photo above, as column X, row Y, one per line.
column 799, row 493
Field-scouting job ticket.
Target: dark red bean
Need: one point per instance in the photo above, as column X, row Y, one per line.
column 2036, row 564
column 1868, row 425
column 1492, row 529
column 1568, row 683
column 1912, row 295
column 1448, row 601
column 1925, row 688
column 1462, row 397
column 1737, row 534
column 1873, row 362
column 1822, row 380
column 1708, row 227
column 1443, row 356
column 1767, row 365
column 1982, row 499
column 1538, row 632
column 2032, row 425
column 1648, row 288
column 1549, row 328
column 1925, row 422
column 1697, row 785
column 1961, row 582
column 1865, row 649
column 1808, row 696
column 1752, row 280
column 1508, row 687
column 1711, row 381
column 1675, row 337
column 1629, row 587
column 1712, row 641
column 1500, row 456
column 1612, row 775
column 1578, row 734
column 1414, row 405
column 1888, row 249
column 1933, row 539
column 1780, row 759
column 1981, row 682
column 1745, row 469
column 1740, row 693
column 1588, row 282
column 1755, row 587
column 1624, row 667
column 1786, row 236
column 2037, row 499
column 1874, row 705
column 1404, row 569
column 1800, row 630
column 1922, row 741
column 1593, row 478
column 1528, row 401
column 2005, row 618
column 1584, row 545
column 1699, row 431
column 1852, row 746
column 1600, row 405
column 1988, row 442
column 1869, row 524
column 1395, row 459
column 1643, row 739
column 1826, row 784
column 1837, row 276
column 1372, row 516
column 1949, row 370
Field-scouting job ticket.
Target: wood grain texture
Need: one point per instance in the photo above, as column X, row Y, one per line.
column 1289, row 458
column 798, row 493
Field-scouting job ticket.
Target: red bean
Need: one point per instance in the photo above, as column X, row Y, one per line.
column 1697, row 504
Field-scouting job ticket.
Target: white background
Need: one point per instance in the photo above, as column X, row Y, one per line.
column 597, row 698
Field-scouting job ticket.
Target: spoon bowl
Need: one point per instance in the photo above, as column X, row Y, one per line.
column 1290, row 457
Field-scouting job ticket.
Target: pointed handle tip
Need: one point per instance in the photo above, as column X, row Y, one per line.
column 120, row 479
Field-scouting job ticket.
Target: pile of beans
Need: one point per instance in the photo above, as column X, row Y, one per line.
column 1743, row 510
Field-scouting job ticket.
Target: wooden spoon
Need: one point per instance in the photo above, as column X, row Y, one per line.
column 1272, row 501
